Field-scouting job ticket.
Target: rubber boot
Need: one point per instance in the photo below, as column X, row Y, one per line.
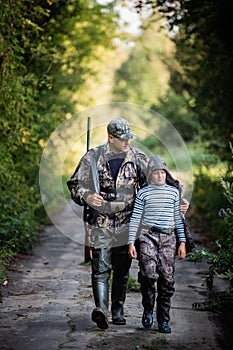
column 101, row 298
column 118, row 300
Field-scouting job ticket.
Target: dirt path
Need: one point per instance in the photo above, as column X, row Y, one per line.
column 48, row 301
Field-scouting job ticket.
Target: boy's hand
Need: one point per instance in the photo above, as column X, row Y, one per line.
column 132, row 251
column 182, row 250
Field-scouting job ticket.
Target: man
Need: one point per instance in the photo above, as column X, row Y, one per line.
column 121, row 169
column 121, row 172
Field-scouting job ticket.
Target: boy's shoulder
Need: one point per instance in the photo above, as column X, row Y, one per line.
column 144, row 189
column 172, row 188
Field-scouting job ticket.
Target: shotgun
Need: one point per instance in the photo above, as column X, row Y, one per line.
column 91, row 213
column 86, row 209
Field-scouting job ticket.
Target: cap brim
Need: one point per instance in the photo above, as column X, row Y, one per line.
column 130, row 135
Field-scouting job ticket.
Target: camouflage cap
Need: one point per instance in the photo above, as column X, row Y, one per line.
column 120, row 128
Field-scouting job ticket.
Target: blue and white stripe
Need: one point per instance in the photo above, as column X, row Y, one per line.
column 157, row 205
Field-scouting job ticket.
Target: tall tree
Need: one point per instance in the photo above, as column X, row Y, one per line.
column 202, row 32
column 46, row 51
column 144, row 78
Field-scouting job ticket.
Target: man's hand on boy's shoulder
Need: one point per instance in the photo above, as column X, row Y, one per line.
column 184, row 206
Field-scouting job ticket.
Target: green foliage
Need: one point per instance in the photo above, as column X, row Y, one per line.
column 156, row 344
column 143, row 77
column 221, row 260
column 204, row 53
column 208, row 197
column 203, row 44
column 175, row 108
column 46, row 51
column 133, row 285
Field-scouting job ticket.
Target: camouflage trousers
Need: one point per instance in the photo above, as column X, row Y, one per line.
column 157, row 266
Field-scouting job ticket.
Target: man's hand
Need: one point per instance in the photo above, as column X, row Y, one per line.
column 94, row 200
column 182, row 251
column 184, row 206
column 132, row 251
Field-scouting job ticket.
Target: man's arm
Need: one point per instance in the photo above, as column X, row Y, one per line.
column 80, row 183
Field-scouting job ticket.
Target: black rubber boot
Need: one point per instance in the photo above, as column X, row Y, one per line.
column 118, row 314
column 100, row 313
column 118, row 299
column 121, row 263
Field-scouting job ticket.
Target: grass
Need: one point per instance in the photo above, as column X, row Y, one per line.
column 133, row 285
column 156, row 344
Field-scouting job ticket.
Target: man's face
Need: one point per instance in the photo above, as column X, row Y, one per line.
column 117, row 145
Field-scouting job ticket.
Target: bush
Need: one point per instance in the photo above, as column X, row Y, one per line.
column 207, row 198
column 221, row 260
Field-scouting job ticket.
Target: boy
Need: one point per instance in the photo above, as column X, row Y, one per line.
column 157, row 215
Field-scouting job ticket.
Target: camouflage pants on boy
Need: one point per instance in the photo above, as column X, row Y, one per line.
column 157, row 265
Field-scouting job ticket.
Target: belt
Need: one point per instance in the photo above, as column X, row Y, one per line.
column 126, row 190
column 157, row 229
column 113, row 206
column 113, row 194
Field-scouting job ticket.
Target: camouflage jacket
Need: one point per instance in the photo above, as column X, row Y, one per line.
column 117, row 208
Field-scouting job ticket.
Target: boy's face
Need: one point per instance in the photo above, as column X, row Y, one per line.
column 158, row 177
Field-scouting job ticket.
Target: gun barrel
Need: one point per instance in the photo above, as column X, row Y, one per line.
column 88, row 132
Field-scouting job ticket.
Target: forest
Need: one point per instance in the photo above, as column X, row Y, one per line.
column 60, row 58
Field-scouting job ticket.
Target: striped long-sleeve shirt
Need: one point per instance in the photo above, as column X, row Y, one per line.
column 157, row 205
